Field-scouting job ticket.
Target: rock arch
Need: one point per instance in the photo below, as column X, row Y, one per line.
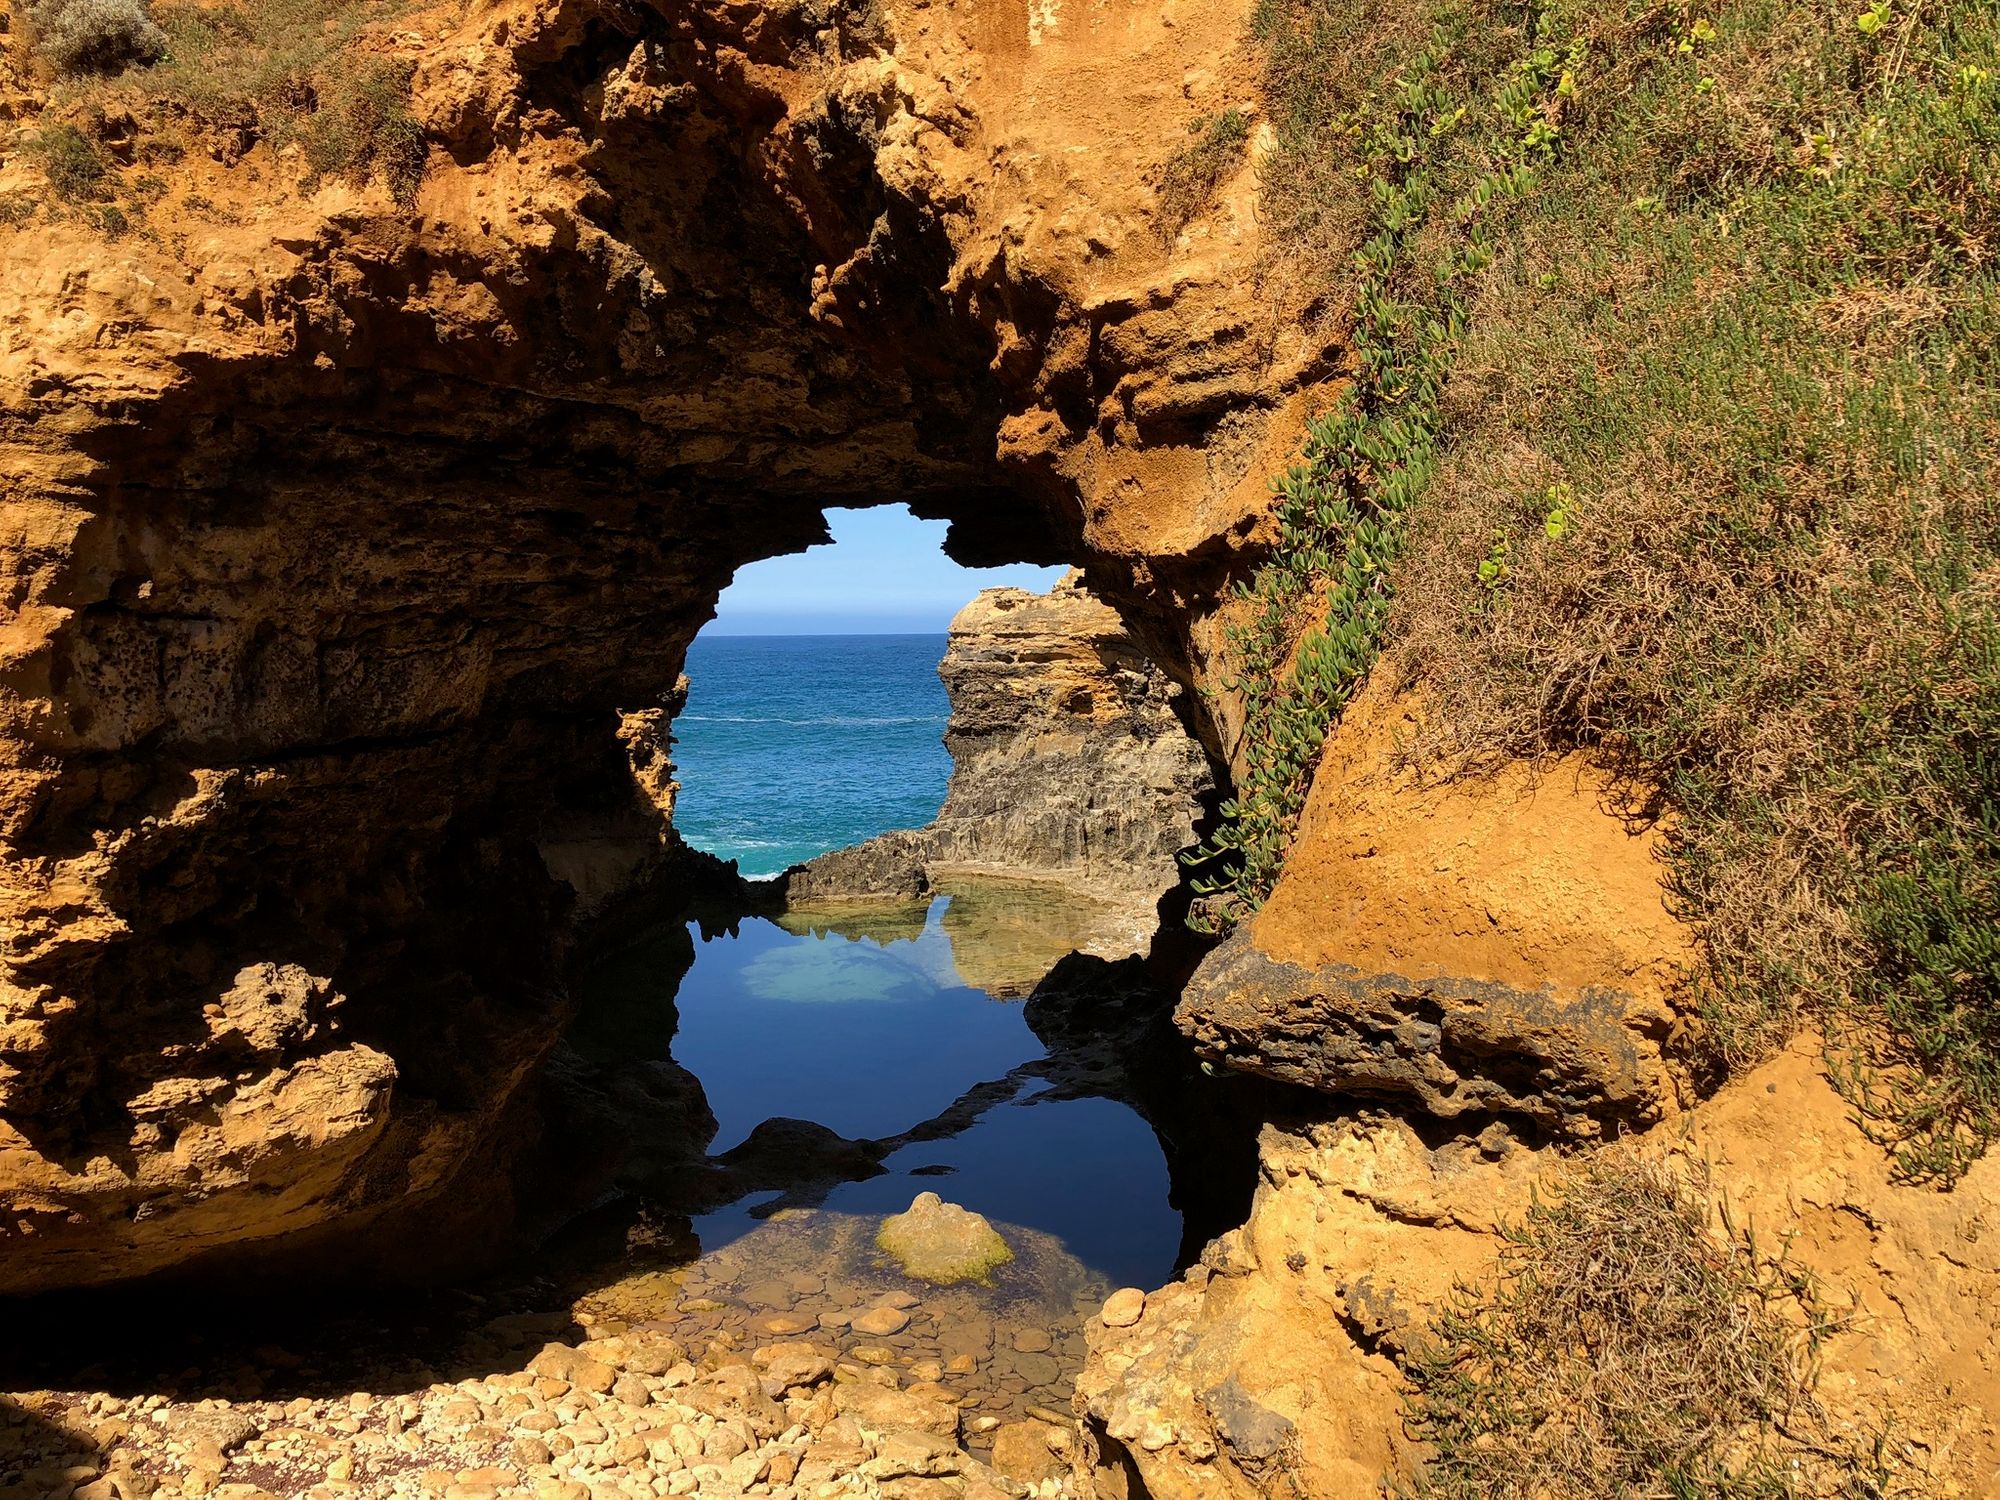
column 336, row 547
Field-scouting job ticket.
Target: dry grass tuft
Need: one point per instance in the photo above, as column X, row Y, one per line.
column 71, row 161
column 1627, row 1349
column 1189, row 181
column 230, row 74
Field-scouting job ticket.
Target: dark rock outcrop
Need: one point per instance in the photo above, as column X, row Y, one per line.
column 1448, row 1047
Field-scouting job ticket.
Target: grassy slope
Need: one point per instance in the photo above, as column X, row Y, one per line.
column 1706, row 479
column 1674, row 434
column 233, row 75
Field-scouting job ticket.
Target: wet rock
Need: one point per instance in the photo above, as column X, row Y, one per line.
column 889, row 868
column 1038, row 1369
column 786, row 1155
column 943, row 1243
column 880, row 1322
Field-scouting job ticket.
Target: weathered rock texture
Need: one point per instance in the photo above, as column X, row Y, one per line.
column 339, row 535
column 1070, row 762
column 1272, row 1367
column 1069, row 756
column 1496, row 947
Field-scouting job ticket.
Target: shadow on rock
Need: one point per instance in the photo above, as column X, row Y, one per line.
column 39, row 1455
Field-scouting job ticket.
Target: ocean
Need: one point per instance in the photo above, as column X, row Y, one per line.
column 793, row 745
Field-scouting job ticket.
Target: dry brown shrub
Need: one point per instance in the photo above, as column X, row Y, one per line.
column 1630, row 1346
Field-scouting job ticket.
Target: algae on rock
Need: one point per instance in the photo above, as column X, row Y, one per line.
column 943, row 1243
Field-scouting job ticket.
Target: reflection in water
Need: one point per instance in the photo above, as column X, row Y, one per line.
column 999, row 936
column 855, row 1058
column 878, row 1040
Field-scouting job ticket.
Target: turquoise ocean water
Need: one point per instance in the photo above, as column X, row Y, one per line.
column 793, row 745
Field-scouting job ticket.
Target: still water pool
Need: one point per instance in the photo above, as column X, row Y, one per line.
column 875, row 1033
column 904, row 1035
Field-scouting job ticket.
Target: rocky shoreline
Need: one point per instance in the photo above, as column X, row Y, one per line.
column 802, row 1384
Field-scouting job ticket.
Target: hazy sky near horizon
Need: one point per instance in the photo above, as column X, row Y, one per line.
column 884, row 574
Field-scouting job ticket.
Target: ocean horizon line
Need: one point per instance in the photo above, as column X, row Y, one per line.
column 818, row 635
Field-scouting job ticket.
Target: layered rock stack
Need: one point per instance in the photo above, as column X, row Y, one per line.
column 1069, row 762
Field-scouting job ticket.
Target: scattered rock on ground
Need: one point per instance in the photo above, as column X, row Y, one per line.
column 1124, row 1307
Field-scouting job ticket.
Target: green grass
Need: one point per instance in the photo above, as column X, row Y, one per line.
column 1744, row 323
column 1432, row 157
column 71, row 161
column 1627, row 1348
column 284, row 72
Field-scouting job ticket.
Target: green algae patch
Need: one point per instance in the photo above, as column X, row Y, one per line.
column 943, row 1243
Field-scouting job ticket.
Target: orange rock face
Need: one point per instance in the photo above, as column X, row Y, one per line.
column 1490, row 946
column 338, row 536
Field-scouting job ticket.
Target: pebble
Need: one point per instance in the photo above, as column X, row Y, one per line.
column 1124, row 1307
column 880, row 1322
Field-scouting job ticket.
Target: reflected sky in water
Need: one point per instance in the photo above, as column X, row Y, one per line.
column 873, row 1034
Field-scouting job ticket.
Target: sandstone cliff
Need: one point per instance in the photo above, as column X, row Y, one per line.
column 340, row 534
column 350, row 549
column 1069, row 762
column 1274, row 1367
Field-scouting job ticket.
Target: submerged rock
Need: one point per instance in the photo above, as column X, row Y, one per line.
column 943, row 1243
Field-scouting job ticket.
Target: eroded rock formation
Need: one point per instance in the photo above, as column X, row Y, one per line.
column 349, row 555
column 1494, row 948
column 1272, row 1368
column 339, row 535
column 1070, row 762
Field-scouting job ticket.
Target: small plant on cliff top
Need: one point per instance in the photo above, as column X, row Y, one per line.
column 70, row 161
column 1189, row 180
column 1626, row 1348
column 284, row 72
column 365, row 127
column 95, row 36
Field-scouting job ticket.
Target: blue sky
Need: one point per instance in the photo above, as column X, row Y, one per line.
column 885, row 574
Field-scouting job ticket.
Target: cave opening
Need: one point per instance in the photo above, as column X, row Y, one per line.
column 815, row 715
column 957, row 847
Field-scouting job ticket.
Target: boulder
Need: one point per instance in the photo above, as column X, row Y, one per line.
column 943, row 1243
